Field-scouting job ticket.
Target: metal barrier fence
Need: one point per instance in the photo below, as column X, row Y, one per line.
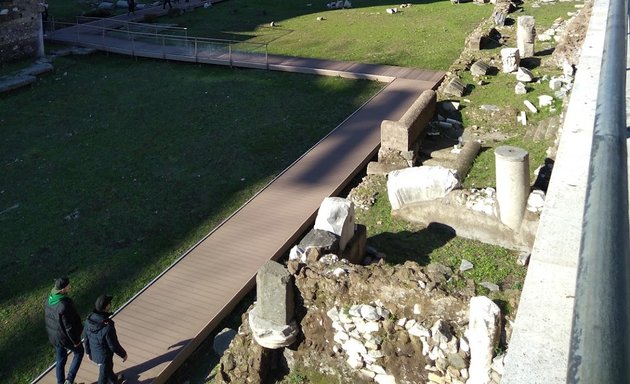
column 600, row 336
column 155, row 28
column 125, row 38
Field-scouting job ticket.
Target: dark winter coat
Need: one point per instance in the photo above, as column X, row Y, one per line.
column 63, row 322
column 101, row 341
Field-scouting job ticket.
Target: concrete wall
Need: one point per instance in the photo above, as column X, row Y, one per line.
column 19, row 26
column 539, row 348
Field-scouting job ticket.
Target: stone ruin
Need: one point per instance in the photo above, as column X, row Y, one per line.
column 272, row 319
column 502, row 217
column 335, row 235
column 400, row 139
column 22, row 34
column 376, row 324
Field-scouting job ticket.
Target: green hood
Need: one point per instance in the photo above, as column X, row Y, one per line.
column 55, row 297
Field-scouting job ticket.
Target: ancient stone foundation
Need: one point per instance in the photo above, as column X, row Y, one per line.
column 400, row 135
column 19, row 29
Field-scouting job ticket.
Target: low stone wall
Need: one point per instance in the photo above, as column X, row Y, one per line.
column 19, row 26
column 402, row 134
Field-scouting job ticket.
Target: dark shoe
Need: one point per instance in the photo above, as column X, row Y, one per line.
column 120, row 379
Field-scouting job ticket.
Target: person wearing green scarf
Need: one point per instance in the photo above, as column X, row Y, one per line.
column 64, row 328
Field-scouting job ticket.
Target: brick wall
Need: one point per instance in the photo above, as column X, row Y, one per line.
column 18, row 29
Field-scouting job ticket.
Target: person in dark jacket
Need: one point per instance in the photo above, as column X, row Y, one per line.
column 64, row 328
column 131, row 7
column 101, row 342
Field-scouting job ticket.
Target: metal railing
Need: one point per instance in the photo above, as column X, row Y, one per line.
column 131, row 26
column 600, row 337
column 123, row 38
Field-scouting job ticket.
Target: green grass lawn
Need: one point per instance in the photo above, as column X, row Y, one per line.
column 113, row 167
column 429, row 34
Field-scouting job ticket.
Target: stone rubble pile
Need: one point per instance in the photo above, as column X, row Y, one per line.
column 357, row 332
column 356, row 335
column 482, row 200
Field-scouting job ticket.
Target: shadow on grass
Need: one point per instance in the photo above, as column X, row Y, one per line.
column 114, row 182
column 414, row 246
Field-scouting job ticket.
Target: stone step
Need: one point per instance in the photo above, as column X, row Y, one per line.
column 11, row 83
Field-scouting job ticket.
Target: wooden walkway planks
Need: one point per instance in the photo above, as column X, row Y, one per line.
column 162, row 325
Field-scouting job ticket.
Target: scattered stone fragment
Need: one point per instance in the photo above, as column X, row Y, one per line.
column 523, row 258
column 384, row 379
column 479, row 68
column 530, row 106
column 525, row 35
column 555, row 84
column 510, row 59
column 489, row 108
column 419, row 330
column 524, row 75
column 545, row 100
column 536, row 201
column 520, row 89
column 437, row 379
column 483, row 334
column 489, row 286
column 465, row 265
column 455, row 87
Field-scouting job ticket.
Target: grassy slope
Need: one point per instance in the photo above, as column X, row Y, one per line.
column 429, row 34
column 118, row 166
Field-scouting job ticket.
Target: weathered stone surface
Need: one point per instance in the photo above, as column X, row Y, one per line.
column 419, row 330
column 510, row 59
column 19, row 23
column 490, row 286
column 455, row 87
column 275, row 302
column 269, row 334
column 520, row 88
column 480, row 68
column 456, row 361
column 380, row 168
column 402, row 134
column 489, row 108
column 322, row 240
column 483, row 335
column 555, row 84
column 525, row 35
column 536, row 201
column 524, row 75
column 465, row 265
column 384, row 379
column 336, row 215
column 530, row 106
column 37, row 69
column 355, row 249
column 523, row 258
column 420, row 184
column 499, row 16
column 11, row 83
column 545, row 100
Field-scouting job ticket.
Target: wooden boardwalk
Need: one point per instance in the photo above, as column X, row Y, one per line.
column 166, row 321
